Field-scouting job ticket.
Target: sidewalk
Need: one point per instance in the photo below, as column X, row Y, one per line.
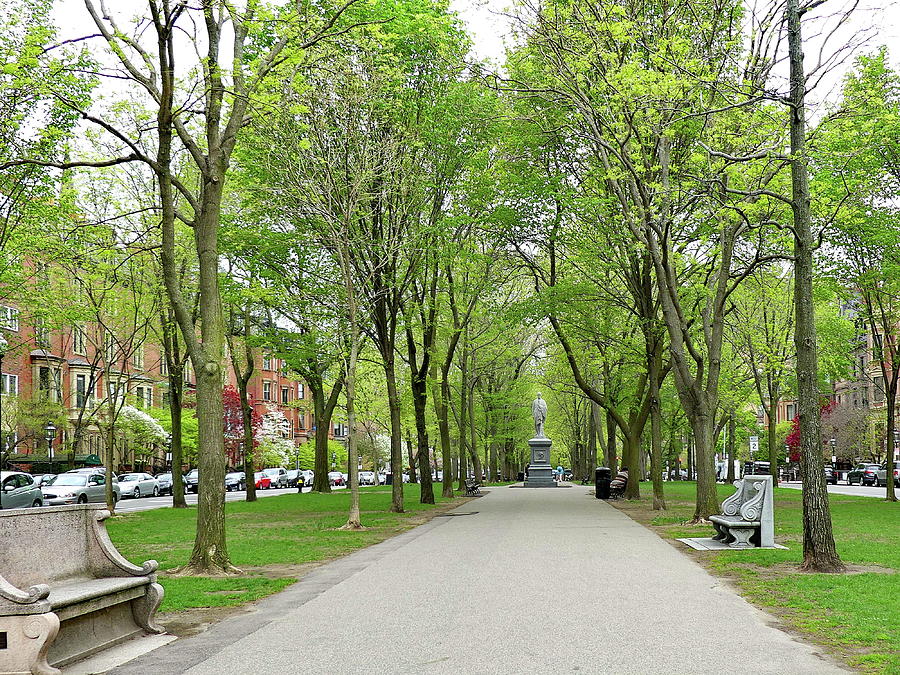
column 518, row 581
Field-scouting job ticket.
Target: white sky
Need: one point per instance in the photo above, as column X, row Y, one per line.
column 489, row 28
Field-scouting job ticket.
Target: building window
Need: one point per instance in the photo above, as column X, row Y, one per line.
column 41, row 333
column 9, row 384
column 267, row 391
column 114, row 391
column 9, row 318
column 267, row 363
column 301, row 390
column 137, row 360
column 878, row 393
column 49, row 383
column 285, row 395
column 163, row 365
column 791, row 411
column 79, row 339
column 301, row 421
column 144, row 397
column 111, row 349
column 283, row 368
column 81, row 391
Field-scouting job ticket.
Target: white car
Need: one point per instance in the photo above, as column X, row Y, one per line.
column 138, row 485
column 307, row 475
column 78, row 487
column 367, row 478
column 278, row 476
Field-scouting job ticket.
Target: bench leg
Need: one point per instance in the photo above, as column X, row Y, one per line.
column 143, row 609
column 742, row 537
column 29, row 637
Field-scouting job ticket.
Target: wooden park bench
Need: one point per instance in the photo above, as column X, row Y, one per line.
column 748, row 516
column 618, row 485
column 473, row 487
column 65, row 591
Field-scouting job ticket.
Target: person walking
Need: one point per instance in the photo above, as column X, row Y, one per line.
column 559, row 473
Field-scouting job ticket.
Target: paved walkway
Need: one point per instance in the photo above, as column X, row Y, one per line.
column 518, row 581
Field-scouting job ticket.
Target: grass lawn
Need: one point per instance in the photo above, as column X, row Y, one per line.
column 274, row 540
column 857, row 615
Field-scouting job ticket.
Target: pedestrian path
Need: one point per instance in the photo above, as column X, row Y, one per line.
column 518, row 581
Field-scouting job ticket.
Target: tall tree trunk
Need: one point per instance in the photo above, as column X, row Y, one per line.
column 612, row 458
column 819, row 552
column 411, row 457
column 354, row 519
column 730, row 452
column 656, row 467
column 390, row 377
column 441, row 406
column 320, row 440
column 631, row 458
column 247, row 417
column 176, row 385
column 772, row 434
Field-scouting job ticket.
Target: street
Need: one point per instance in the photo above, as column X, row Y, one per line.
column 131, row 505
column 854, row 490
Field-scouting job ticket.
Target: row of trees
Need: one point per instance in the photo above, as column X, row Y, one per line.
column 629, row 214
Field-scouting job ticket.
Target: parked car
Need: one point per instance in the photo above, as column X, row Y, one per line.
column 235, row 481
column 262, row 481
column 308, row 475
column 855, row 476
column 881, row 475
column 79, row 487
column 42, row 478
column 278, row 477
column 336, row 478
column 19, row 490
column 165, row 483
column 367, row 478
column 293, row 475
column 192, row 481
column 830, row 475
column 138, row 485
column 757, row 468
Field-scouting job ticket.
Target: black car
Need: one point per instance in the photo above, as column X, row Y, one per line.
column 830, row 475
column 192, row 481
column 293, row 476
column 235, row 481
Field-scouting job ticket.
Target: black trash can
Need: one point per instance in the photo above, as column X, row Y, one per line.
column 602, row 479
column 389, row 479
column 520, row 476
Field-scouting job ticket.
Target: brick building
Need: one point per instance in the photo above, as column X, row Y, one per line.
column 69, row 375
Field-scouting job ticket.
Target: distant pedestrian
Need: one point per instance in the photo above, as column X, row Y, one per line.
column 559, row 474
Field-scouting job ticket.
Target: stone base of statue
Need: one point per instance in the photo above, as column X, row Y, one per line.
column 540, row 473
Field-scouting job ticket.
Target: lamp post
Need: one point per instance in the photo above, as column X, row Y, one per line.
column 50, row 435
column 169, row 452
column 4, row 345
column 833, row 450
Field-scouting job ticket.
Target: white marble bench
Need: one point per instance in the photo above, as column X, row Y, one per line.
column 65, row 591
column 748, row 516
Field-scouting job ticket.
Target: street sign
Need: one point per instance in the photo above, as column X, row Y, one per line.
column 754, row 444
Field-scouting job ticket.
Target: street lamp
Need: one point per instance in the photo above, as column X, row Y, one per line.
column 50, row 434
column 4, row 345
column 169, row 451
column 333, row 460
column 833, row 452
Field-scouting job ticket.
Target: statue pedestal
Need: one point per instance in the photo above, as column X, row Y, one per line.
column 540, row 473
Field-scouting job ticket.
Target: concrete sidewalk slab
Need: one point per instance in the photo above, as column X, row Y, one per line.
column 548, row 581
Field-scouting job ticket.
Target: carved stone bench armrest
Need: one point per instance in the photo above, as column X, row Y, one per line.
column 732, row 505
column 752, row 508
column 112, row 554
column 32, row 600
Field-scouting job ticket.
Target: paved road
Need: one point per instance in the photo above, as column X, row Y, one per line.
column 518, row 581
column 130, row 505
column 854, row 490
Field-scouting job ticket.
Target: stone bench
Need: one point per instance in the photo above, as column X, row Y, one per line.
column 65, row 591
column 748, row 516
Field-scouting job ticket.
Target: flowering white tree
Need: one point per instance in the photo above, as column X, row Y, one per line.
column 142, row 433
column 275, row 446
